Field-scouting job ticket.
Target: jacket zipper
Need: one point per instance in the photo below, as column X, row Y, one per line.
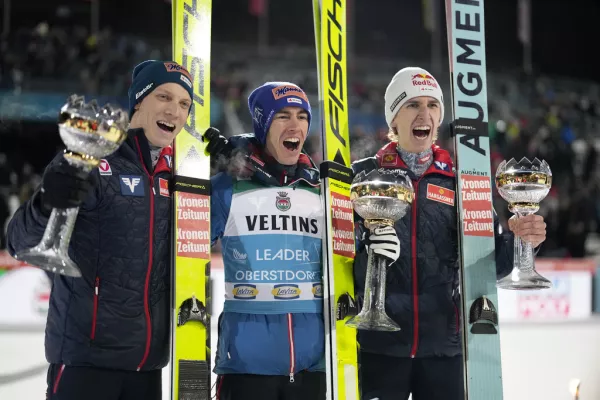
column 95, row 310
column 292, row 351
column 415, row 345
column 147, row 283
column 149, row 270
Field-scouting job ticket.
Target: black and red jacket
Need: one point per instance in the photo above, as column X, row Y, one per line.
column 422, row 285
column 117, row 314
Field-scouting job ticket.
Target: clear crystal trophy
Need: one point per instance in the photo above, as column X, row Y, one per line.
column 89, row 133
column 381, row 197
column 523, row 185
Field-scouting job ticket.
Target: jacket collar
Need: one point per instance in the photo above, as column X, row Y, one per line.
column 260, row 166
column 137, row 149
column 388, row 157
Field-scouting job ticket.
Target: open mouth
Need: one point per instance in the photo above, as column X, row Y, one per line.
column 291, row 144
column 421, row 132
column 165, row 126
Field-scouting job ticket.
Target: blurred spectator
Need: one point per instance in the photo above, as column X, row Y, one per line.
column 553, row 119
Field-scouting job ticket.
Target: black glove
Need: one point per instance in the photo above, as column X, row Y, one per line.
column 64, row 186
column 217, row 144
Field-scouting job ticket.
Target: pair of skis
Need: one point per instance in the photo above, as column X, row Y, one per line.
column 190, row 357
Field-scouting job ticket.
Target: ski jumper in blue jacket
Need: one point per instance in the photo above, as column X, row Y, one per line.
column 270, row 226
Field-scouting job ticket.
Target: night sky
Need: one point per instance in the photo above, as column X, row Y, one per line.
column 565, row 33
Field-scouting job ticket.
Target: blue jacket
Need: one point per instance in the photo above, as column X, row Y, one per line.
column 422, row 293
column 117, row 314
column 262, row 331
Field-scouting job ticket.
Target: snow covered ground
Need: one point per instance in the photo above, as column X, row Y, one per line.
column 539, row 359
column 23, row 366
column 22, row 362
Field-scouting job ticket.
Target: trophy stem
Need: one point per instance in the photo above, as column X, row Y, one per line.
column 524, row 254
column 373, row 316
column 373, row 272
column 523, row 276
column 379, row 294
column 52, row 253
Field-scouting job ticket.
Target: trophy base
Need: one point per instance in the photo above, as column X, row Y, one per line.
column 372, row 321
column 519, row 280
column 50, row 260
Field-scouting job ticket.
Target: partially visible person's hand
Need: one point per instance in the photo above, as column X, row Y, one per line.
column 217, row 143
column 531, row 228
column 64, row 186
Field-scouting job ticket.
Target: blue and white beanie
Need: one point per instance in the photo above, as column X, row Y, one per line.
column 266, row 100
column 150, row 74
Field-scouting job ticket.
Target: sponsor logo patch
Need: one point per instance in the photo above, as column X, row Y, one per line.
column 440, row 194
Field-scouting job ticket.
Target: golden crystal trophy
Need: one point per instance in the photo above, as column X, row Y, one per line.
column 380, row 197
column 89, row 133
column 523, row 185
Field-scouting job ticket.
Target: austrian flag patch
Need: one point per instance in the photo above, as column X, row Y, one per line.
column 440, row 194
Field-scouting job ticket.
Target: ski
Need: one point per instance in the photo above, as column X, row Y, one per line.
column 481, row 338
column 190, row 282
column 336, row 174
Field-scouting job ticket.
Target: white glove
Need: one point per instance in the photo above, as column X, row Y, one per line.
column 384, row 242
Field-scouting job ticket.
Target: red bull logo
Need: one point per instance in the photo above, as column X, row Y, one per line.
column 424, row 80
column 423, row 76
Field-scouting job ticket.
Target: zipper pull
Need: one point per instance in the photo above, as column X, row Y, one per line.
column 153, row 190
column 291, row 378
